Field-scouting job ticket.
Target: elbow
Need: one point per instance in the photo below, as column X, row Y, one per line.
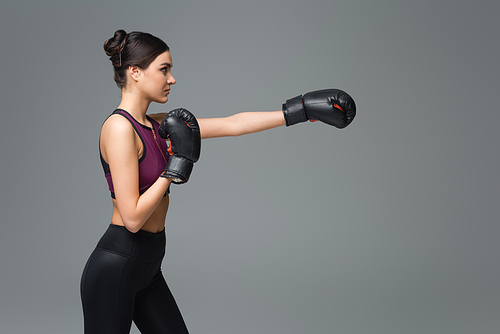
column 236, row 130
column 133, row 226
column 132, row 229
column 234, row 127
column 129, row 216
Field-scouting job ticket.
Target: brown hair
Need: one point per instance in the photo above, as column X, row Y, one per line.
column 132, row 49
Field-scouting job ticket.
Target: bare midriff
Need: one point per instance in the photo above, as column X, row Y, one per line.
column 155, row 222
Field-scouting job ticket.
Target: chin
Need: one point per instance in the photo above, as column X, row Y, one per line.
column 162, row 101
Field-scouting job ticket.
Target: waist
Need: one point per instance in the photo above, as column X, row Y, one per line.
column 142, row 246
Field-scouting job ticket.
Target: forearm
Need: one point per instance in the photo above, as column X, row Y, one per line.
column 240, row 124
column 135, row 214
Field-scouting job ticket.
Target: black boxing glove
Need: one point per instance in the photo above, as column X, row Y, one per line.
column 182, row 129
column 331, row 106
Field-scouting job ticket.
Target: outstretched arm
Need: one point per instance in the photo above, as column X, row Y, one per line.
column 240, row 124
column 331, row 106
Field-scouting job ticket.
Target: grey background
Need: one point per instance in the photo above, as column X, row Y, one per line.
column 388, row 226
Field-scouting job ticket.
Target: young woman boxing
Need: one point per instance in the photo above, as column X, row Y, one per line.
column 122, row 281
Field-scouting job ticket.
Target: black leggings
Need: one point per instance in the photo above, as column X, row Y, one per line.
column 122, row 282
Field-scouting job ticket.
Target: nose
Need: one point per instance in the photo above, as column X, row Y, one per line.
column 171, row 80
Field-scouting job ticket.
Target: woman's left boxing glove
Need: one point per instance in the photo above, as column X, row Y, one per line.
column 182, row 129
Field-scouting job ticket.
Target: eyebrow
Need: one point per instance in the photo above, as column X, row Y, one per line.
column 167, row 64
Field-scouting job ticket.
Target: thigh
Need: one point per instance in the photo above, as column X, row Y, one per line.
column 108, row 288
column 156, row 311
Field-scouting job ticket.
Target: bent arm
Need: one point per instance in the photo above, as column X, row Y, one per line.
column 118, row 141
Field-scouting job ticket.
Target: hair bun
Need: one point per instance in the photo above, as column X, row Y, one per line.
column 114, row 46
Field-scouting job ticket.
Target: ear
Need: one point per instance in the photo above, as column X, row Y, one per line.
column 134, row 72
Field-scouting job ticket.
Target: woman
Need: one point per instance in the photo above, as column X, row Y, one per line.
column 122, row 281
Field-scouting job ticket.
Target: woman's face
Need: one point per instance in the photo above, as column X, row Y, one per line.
column 157, row 78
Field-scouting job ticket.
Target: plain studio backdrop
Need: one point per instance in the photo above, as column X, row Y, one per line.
column 390, row 225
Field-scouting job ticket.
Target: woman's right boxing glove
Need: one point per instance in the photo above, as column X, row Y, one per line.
column 331, row 106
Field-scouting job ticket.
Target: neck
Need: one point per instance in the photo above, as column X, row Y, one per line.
column 135, row 105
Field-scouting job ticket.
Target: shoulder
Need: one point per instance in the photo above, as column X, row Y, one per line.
column 117, row 123
column 116, row 129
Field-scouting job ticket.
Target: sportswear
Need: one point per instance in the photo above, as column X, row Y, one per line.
column 154, row 157
column 122, row 282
